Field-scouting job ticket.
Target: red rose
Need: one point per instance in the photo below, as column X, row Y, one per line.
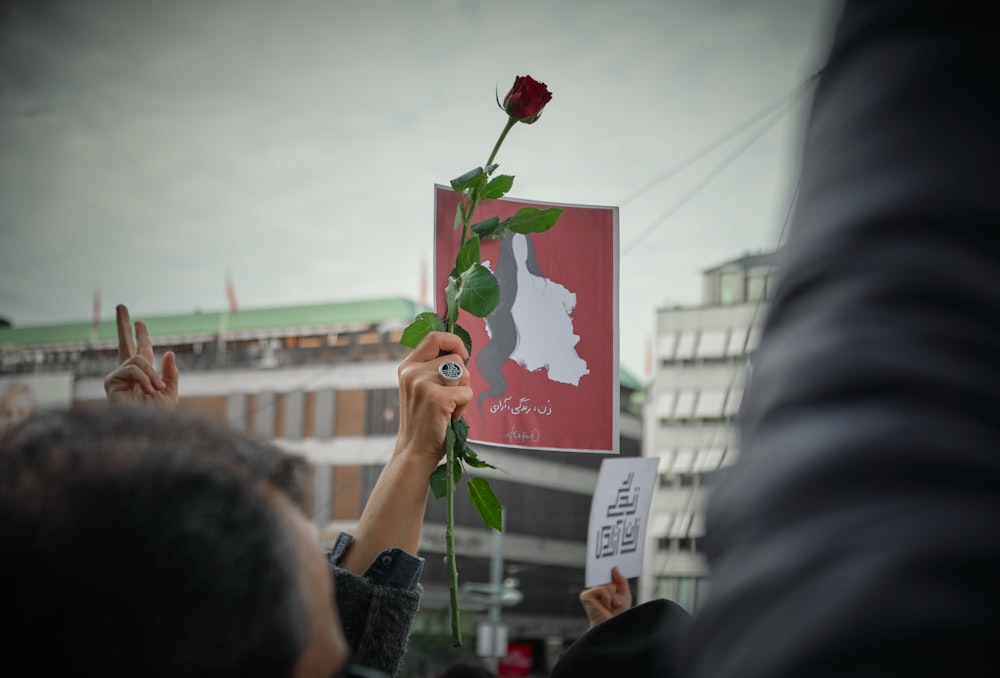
column 526, row 99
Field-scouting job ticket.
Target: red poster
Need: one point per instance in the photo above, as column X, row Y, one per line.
column 545, row 365
column 517, row 662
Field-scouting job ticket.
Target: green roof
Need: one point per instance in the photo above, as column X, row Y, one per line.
column 342, row 313
column 628, row 380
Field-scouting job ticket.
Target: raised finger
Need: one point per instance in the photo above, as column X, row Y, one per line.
column 619, row 580
column 144, row 343
column 171, row 375
column 126, row 343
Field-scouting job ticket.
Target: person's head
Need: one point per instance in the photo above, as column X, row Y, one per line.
column 138, row 543
column 17, row 403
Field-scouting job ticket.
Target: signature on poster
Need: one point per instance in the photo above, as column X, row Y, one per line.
column 533, row 436
column 522, row 406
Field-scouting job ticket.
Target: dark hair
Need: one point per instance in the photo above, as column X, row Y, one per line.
column 140, row 543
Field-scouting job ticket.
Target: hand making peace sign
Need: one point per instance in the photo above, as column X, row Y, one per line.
column 135, row 381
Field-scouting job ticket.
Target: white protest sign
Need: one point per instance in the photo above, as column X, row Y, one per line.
column 619, row 512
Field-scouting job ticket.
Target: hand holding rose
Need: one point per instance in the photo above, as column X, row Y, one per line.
column 473, row 288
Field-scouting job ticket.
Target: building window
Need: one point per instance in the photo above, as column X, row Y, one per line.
column 685, row 593
column 688, row 592
column 665, row 587
column 663, row 544
column 757, row 287
column 701, row 586
column 729, row 288
column 382, row 412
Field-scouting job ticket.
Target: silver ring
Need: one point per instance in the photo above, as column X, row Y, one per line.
column 450, row 372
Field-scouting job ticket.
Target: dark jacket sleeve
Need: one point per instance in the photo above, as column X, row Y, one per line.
column 859, row 533
column 376, row 619
column 377, row 609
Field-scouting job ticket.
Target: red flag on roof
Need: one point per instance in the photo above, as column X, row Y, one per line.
column 95, row 318
column 231, row 294
column 423, row 283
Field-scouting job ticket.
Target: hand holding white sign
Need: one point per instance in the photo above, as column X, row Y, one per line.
column 604, row 601
column 619, row 512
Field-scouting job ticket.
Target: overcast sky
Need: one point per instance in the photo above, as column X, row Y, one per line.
column 148, row 147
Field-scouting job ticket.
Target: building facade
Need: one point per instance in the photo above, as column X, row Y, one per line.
column 701, row 366
column 320, row 381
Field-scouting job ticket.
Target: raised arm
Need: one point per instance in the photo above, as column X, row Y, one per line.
column 394, row 514
column 377, row 572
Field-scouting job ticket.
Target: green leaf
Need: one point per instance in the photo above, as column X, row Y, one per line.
column 451, row 293
column 487, row 505
column 424, row 324
column 459, row 216
column 461, row 428
column 498, row 187
column 439, row 477
column 487, row 228
column 449, row 440
column 439, row 481
column 479, row 291
column 471, row 458
column 468, row 255
column 476, row 462
column 470, row 179
column 533, row 220
column 465, row 336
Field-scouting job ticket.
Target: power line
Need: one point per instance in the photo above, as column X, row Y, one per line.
column 717, row 429
column 712, row 174
column 721, row 140
column 753, row 317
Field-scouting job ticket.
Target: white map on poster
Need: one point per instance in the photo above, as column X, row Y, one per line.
column 619, row 513
column 543, row 315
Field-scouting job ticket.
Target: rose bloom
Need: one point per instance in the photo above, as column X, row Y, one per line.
column 526, row 99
